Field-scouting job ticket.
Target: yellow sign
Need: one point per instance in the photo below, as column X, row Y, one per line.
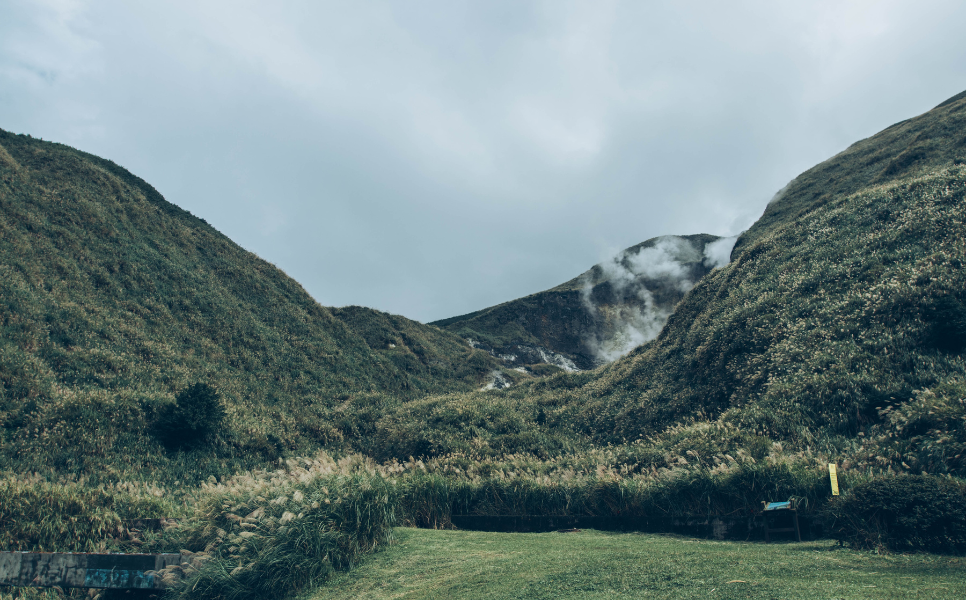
column 833, row 475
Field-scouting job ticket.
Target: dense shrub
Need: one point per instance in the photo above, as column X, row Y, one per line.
column 904, row 513
column 947, row 316
column 601, row 483
column 193, row 420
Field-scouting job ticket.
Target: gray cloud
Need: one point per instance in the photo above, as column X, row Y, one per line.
column 433, row 158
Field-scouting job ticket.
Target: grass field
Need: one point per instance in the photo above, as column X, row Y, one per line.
column 466, row 565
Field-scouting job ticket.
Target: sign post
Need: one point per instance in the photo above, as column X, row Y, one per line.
column 834, row 477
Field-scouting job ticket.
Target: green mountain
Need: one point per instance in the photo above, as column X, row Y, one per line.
column 112, row 300
column 837, row 330
column 836, row 333
column 906, row 149
column 838, row 325
column 599, row 315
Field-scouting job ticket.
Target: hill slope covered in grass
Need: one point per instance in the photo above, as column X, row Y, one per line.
column 824, row 316
column 839, row 327
column 906, row 149
column 602, row 313
column 113, row 299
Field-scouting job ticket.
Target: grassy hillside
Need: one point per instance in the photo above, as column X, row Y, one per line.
column 841, row 329
column 907, row 149
column 592, row 318
column 825, row 317
column 112, row 300
column 816, row 326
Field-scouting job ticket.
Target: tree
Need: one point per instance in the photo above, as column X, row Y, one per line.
column 948, row 319
column 193, row 420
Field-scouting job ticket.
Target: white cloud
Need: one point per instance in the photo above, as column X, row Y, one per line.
column 431, row 158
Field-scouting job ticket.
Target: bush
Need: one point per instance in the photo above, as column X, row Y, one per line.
column 947, row 316
column 904, row 513
column 193, row 420
column 599, row 484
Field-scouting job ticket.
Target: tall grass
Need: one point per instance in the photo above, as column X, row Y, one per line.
column 432, row 491
column 37, row 515
column 279, row 531
column 275, row 532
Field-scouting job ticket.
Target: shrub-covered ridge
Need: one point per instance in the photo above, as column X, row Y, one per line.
column 824, row 329
column 113, row 300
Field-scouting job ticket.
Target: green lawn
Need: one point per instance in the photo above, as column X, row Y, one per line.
column 458, row 565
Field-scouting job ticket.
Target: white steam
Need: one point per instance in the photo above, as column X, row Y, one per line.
column 529, row 352
column 496, row 381
column 631, row 326
column 558, row 360
column 664, row 260
column 634, row 316
column 718, row 253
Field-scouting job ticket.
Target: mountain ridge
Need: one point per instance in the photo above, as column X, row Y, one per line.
column 837, row 328
column 579, row 324
column 110, row 292
column 905, row 148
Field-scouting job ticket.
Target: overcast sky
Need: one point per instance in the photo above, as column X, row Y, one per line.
column 434, row 158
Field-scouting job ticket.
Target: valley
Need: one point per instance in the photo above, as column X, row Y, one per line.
column 689, row 375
